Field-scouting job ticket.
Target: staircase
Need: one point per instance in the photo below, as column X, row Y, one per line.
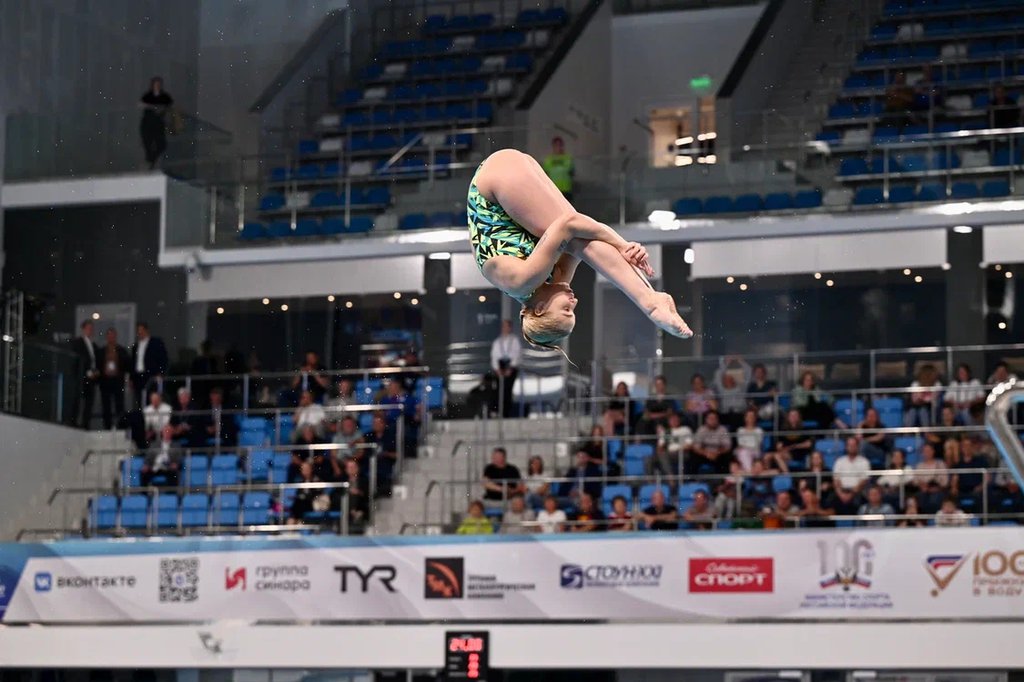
column 458, row 450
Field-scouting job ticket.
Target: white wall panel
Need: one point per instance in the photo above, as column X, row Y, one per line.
column 1003, row 244
column 465, row 273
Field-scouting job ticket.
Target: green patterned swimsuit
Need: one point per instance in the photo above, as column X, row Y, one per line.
column 493, row 232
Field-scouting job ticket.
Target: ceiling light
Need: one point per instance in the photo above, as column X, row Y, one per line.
column 220, row 311
column 284, row 307
column 730, row 279
column 998, row 267
column 947, row 266
column 95, row 316
column 266, row 301
column 415, row 301
column 1002, row 325
column 348, row 304
column 743, row 287
column 817, row 275
column 918, row 279
column 684, row 160
column 1009, row 275
column 7, row 338
column 963, row 229
column 746, row 147
column 683, row 141
column 397, row 295
column 440, row 255
column 450, row 290
column 688, row 256
column 906, row 271
column 829, row 283
column 330, row 298
column 482, row 298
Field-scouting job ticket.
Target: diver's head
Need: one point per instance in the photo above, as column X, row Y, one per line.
column 548, row 315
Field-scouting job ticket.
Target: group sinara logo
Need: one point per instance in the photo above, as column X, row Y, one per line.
column 268, row 578
column 179, row 580
column 44, row 581
column 443, row 578
column 993, row 573
column 578, row 577
column 732, row 574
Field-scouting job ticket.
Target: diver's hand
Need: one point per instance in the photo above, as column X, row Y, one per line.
column 636, row 255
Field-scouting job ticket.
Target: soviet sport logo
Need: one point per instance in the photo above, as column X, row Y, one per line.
column 444, row 578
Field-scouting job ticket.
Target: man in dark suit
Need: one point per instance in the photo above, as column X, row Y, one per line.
column 88, row 371
column 149, row 360
column 114, row 364
column 221, row 427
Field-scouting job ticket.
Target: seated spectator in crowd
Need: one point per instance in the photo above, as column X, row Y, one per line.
column 899, row 100
column 951, row 452
column 699, row 400
column 875, row 505
column 344, row 396
column 910, row 508
column 852, row 471
column 968, row 480
column 396, row 395
column 387, row 453
column 701, row 514
column 771, row 464
column 819, row 479
column 620, row 519
column 619, row 410
column 583, row 478
column 310, row 413
column 1000, row 374
column 712, row 446
column 656, row 409
column 929, row 96
column 780, row 513
column 310, row 378
column 518, row 518
column 674, row 447
column 305, row 437
column 163, row 459
column 475, row 522
column 924, row 397
column 506, row 354
column 588, row 518
column 660, row 515
column 157, row 415
column 964, row 392
column 732, row 401
column 814, row 404
column 1003, row 110
column 949, row 423
column 812, row 514
column 901, row 475
column 501, row 480
column 358, row 492
column 951, row 515
column 1006, row 496
column 535, row 483
column 189, row 426
column 551, row 519
column 220, row 426
column 303, row 502
column 594, row 445
column 874, row 446
column 930, row 497
column 757, row 487
column 843, row 501
column 348, row 437
column 793, row 445
column 761, row 392
column 930, row 469
column 726, row 502
column 749, row 440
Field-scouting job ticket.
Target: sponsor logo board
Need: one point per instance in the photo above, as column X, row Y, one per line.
column 732, row 575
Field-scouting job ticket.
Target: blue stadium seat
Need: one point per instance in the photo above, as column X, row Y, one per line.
column 166, row 509
column 831, row 449
column 867, row 196
column 633, row 467
column 964, row 190
column 781, row 483
column 253, row 230
column 850, row 411
column 271, row 202
column 104, row 511
column 995, row 188
column 1002, row 157
column 197, row 471
column 719, row 204
column 308, row 147
column 901, row 194
column 441, row 219
column 131, row 471
column 748, row 203
column 688, row 206
column 778, row 201
column 257, row 508
column 639, row 451
column 226, row 513
column 647, row 492
column 359, row 224
column 890, row 410
column 911, row 447
column 195, row 509
column 687, row 491
column 853, row 166
column 413, row 221
column 932, row 191
column 307, row 227
column 135, row 511
column 279, row 229
column 326, row 198
column 808, row 198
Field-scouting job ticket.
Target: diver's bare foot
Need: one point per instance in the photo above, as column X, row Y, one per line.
column 662, row 312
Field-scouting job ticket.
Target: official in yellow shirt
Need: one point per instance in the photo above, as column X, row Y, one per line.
column 559, row 167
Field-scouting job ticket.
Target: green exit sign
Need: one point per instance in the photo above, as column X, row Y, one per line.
column 700, row 83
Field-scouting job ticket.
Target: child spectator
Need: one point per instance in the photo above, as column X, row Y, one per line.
column 551, row 519
column 620, row 519
column 475, row 522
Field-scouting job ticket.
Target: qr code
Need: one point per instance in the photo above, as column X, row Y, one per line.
column 179, row 580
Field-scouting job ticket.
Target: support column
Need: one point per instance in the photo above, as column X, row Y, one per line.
column 436, row 307
column 197, row 315
column 675, row 275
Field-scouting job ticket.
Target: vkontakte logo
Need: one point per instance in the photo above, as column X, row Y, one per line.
column 44, row 581
column 577, row 577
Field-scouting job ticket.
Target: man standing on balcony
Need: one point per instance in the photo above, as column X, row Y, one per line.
column 114, row 370
column 149, row 361
column 155, row 104
column 560, row 168
column 88, row 363
column 506, row 352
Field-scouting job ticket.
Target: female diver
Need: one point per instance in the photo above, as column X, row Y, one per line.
column 528, row 240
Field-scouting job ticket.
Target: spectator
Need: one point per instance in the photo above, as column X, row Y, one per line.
column 551, row 519
column 588, row 518
column 911, row 509
column 309, row 377
column 732, row 401
column 88, row 369
column 656, row 409
column 358, row 491
column 726, row 502
column 408, row 410
column 964, row 392
column 305, row 438
column 901, row 475
column 659, row 515
column 1003, row 110
column 594, row 445
column 819, row 477
column 811, row 513
column 712, row 446
column 189, row 425
column 156, row 416
column 762, row 392
column 303, row 502
column 876, row 506
column 501, row 479
column 114, row 369
column 506, row 354
column 951, row 452
column 309, row 413
column 345, row 397
column 925, row 391
column 475, row 522
column 950, row 515
column 220, row 427
column 899, row 99
column 876, row 445
column 813, row 404
column 535, row 484
column 162, row 460
column 929, row 469
column 771, row 464
column 853, row 470
column 781, row 512
column 156, row 106
column 968, row 480
column 518, row 519
column 348, row 438
column 949, row 420
column 149, row 361
column 618, row 411
column 757, row 487
column 386, row 453
column 701, row 514
column 674, row 448
column 699, row 401
column 843, row 501
column 929, row 96
column 749, row 440
column 793, row 445
column 559, row 167
column 583, row 478
column 1001, row 374
column 620, row 519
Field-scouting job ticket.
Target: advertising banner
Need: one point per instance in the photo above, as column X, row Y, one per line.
column 877, row 574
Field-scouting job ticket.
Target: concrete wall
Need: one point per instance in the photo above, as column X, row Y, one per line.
column 656, row 55
column 31, row 453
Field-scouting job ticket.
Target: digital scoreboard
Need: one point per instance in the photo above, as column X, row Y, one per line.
column 466, row 656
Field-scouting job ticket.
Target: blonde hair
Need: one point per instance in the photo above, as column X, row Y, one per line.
column 543, row 330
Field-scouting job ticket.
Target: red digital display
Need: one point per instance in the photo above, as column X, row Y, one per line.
column 466, row 656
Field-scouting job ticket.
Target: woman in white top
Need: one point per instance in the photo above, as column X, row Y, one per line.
column 551, row 519
column 749, row 440
column 964, row 392
column 892, row 481
column 536, row 485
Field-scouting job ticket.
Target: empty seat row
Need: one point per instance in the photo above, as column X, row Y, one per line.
column 903, row 7
column 443, row 68
column 357, row 196
column 424, row 91
column 991, row 189
column 386, row 115
column 365, row 142
column 420, row 221
column 918, row 28
column 192, row 510
column 747, row 203
column 526, row 18
column 305, row 227
column 903, row 163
